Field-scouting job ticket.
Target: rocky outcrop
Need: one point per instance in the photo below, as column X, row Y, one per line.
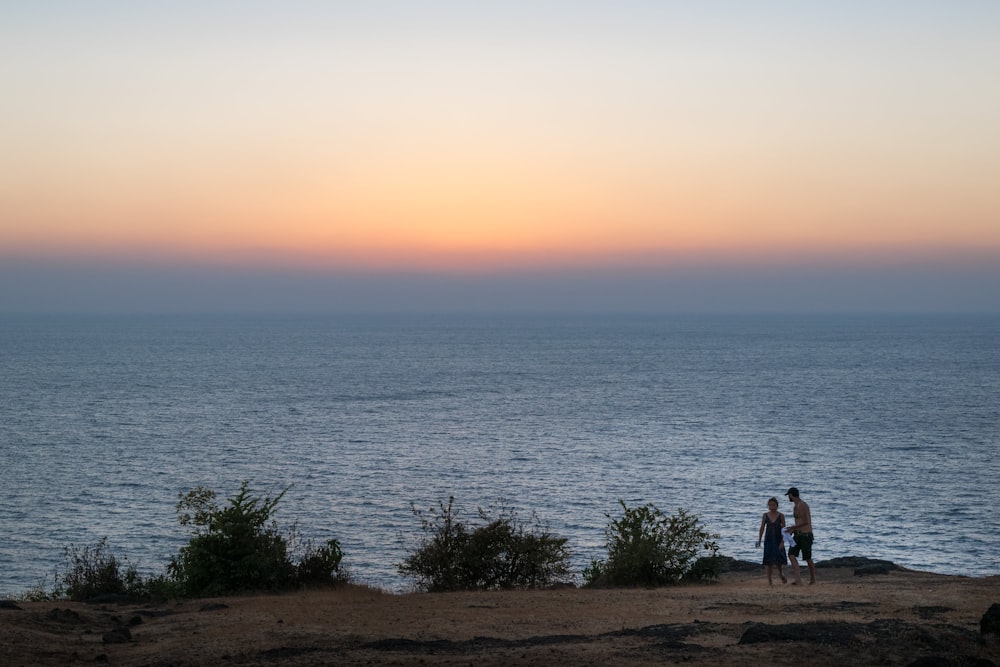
column 989, row 624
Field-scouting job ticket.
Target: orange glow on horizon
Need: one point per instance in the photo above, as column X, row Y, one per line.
column 488, row 216
column 445, row 249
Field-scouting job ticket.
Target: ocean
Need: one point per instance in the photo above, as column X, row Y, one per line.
column 888, row 425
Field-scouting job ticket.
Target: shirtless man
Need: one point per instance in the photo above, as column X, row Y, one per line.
column 803, row 537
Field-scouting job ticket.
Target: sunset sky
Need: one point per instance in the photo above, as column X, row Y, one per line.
column 537, row 155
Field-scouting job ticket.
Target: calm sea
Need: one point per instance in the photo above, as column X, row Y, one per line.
column 890, row 426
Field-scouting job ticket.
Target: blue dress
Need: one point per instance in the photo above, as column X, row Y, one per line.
column 774, row 546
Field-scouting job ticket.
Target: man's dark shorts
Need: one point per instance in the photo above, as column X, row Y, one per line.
column 803, row 545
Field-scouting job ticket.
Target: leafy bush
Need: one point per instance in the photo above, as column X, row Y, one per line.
column 501, row 553
column 163, row 587
column 321, row 566
column 648, row 548
column 96, row 570
column 240, row 547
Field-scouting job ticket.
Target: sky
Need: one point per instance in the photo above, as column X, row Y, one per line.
column 537, row 156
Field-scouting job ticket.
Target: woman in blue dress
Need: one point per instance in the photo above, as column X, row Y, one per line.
column 771, row 524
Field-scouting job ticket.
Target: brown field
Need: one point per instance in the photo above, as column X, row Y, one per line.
column 896, row 618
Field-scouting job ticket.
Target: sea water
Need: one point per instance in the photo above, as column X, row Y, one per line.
column 889, row 426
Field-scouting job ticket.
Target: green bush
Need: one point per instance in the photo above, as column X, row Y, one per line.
column 163, row 587
column 502, row 552
column 321, row 566
column 96, row 570
column 240, row 548
column 648, row 548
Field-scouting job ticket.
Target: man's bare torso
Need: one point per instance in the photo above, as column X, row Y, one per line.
column 803, row 520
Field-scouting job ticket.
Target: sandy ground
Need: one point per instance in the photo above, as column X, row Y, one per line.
column 898, row 618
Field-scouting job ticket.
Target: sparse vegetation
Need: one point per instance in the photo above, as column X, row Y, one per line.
column 233, row 548
column 501, row 552
column 321, row 566
column 648, row 548
column 240, row 547
column 92, row 571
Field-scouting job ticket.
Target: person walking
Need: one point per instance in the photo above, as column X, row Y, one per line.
column 771, row 524
column 803, row 532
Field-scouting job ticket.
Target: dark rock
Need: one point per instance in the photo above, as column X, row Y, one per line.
column 64, row 616
column 833, row 633
column 950, row 661
column 729, row 564
column 670, row 635
column 8, row 604
column 990, row 622
column 285, row 652
column 873, row 568
column 856, row 562
column 119, row 635
column 214, row 606
column 820, row 632
column 931, row 661
column 931, row 611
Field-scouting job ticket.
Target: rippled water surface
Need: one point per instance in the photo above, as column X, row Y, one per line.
column 890, row 427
